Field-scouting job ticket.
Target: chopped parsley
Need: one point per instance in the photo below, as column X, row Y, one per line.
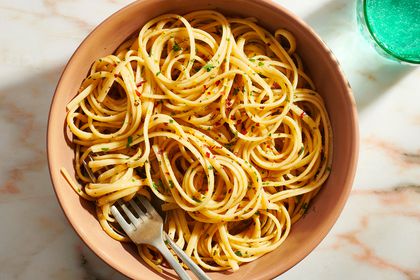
column 238, row 253
column 305, row 207
column 171, row 183
column 158, row 73
column 208, row 67
column 171, row 121
column 229, row 146
column 176, row 47
column 105, row 149
column 252, row 59
column 260, row 63
column 301, row 150
column 129, row 141
column 196, row 199
column 235, row 91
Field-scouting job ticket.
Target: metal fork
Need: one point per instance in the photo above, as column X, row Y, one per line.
column 148, row 229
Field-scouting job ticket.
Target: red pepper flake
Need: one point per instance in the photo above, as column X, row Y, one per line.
column 268, row 44
column 276, row 85
column 257, row 124
column 208, row 154
column 208, row 93
column 139, row 84
column 244, row 131
column 217, row 82
column 138, row 93
column 167, row 173
column 232, row 117
column 116, row 75
column 165, row 124
column 238, row 122
column 302, row 115
column 228, row 103
column 222, row 93
column 217, row 123
column 205, row 87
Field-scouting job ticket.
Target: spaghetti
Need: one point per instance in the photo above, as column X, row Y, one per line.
column 216, row 117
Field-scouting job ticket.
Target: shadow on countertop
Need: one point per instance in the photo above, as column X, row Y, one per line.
column 369, row 74
column 27, row 200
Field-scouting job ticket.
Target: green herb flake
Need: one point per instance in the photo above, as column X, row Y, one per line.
column 252, row 59
column 171, row 183
column 208, row 67
column 176, row 47
column 79, row 190
column 210, row 167
column 238, row 253
column 305, row 207
column 171, row 121
column 228, row 146
column 235, row 91
column 196, row 199
column 104, row 149
column 301, row 150
column 260, row 63
column 166, row 242
column 158, row 73
column 155, row 186
column 129, row 141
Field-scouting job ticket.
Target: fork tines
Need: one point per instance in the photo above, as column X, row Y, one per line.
column 133, row 212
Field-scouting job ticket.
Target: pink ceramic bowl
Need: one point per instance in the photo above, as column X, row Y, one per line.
column 330, row 83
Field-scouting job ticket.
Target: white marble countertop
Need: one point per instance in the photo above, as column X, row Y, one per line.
column 377, row 235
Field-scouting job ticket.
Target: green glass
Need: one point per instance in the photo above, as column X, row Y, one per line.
column 393, row 27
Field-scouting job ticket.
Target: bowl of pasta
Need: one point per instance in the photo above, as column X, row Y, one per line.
column 232, row 116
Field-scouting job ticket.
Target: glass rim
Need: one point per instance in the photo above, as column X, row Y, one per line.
column 379, row 43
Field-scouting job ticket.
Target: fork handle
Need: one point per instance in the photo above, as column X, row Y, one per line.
column 186, row 259
column 172, row 261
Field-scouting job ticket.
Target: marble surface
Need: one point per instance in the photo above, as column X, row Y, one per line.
column 377, row 235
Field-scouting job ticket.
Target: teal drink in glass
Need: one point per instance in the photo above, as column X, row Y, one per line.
column 393, row 27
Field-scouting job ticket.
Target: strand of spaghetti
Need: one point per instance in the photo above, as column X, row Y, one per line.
column 214, row 116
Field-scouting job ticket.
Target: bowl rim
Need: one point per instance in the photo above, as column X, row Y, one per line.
column 351, row 168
